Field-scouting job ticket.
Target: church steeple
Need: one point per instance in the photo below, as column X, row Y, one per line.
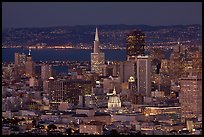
column 96, row 42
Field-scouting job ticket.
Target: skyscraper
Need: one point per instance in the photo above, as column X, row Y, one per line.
column 20, row 60
column 127, row 69
column 190, row 97
column 135, row 44
column 97, row 57
column 143, row 75
column 46, row 71
column 29, row 66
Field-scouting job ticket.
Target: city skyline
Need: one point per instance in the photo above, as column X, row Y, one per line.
column 34, row 14
column 101, row 79
column 147, row 95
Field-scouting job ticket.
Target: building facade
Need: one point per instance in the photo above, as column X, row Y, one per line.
column 143, row 75
column 135, row 44
column 114, row 100
column 190, row 97
column 20, row 61
column 62, row 90
column 46, row 71
column 97, row 57
column 29, row 66
column 127, row 69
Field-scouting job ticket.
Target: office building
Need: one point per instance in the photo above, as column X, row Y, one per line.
column 143, row 75
column 190, row 97
column 46, row 71
column 62, row 90
column 97, row 57
column 20, row 61
column 29, row 66
column 135, row 44
column 127, row 69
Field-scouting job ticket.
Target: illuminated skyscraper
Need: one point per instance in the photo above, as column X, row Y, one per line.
column 97, row 57
column 127, row 69
column 20, row 61
column 46, row 71
column 143, row 75
column 29, row 66
column 190, row 97
column 135, row 44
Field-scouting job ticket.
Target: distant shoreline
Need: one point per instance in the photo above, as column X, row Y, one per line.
column 60, row 48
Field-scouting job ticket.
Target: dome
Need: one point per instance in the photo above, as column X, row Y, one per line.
column 114, row 100
column 51, row 78
column 131, row 79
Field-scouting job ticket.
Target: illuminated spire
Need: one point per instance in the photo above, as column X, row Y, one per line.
column 179, row 45
column 114, row 91
column 96, row 42
column 96, row 35
column 29, row 54
column 179, row 39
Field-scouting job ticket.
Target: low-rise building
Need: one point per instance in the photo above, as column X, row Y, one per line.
column 91, row 128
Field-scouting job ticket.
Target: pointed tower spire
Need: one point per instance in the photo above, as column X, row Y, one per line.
column 29, row 53
column 96, row 35
column 96, row 42
column 114, row 91
column 179, row 45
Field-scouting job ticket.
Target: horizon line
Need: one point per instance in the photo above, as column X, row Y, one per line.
column 100, row 25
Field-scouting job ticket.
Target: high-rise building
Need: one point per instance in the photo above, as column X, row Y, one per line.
column 33, row 82
column 97, row 57
column 132, row 84
column 143, row 75
column 190, row 97
column 135, row 44
column 20, row 61
column 46, row 71
column 29, row 66
column 127, row 69
column 68, row 91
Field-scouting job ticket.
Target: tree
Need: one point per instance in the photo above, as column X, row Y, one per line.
column 114, row 132
column 34, row 122
column 52, row 126
column 68, row 131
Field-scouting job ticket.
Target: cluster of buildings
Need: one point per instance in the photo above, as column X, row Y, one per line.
column 146, row 94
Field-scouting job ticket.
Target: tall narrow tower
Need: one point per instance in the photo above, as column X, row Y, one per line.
column 29, row 66
column 97, row 57
column 96, row 42
column 143, row 75
column 46, row 71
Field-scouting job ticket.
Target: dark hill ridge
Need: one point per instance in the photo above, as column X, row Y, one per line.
column 108, row 34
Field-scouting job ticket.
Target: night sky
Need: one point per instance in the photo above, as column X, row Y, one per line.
column 44, row 14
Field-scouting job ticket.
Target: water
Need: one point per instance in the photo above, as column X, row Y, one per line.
column 62, row 54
